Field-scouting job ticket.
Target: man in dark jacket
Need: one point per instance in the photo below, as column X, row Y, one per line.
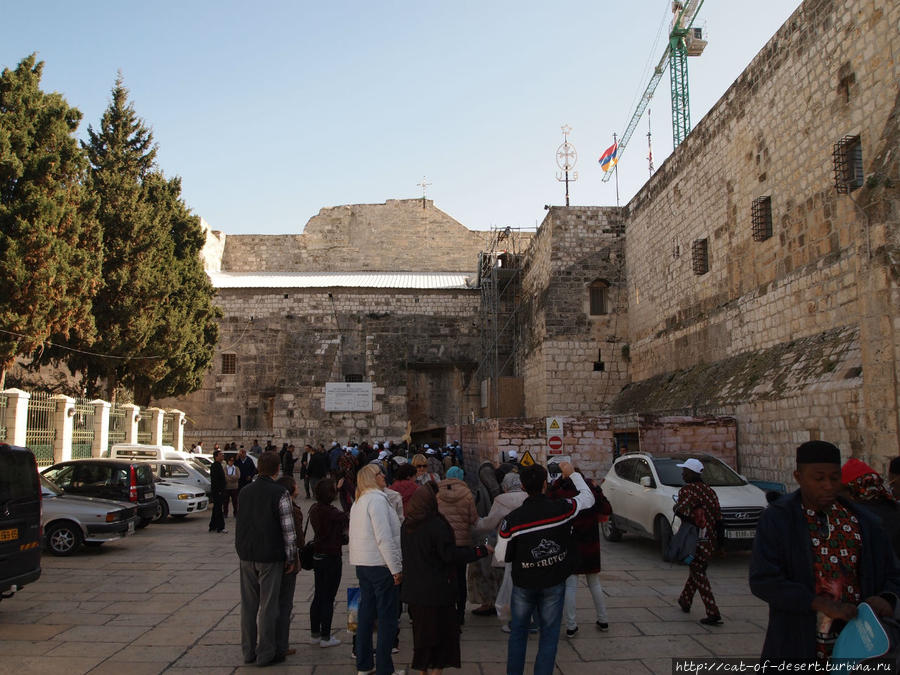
column 537, row 539
column 815, row 558
column 246, row 467
column 217, row 493
column 266, row 544
column 317, row 468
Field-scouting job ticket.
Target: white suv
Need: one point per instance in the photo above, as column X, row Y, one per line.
column 642, row 490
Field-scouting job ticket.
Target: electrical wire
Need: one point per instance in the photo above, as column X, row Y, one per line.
column 81, row 351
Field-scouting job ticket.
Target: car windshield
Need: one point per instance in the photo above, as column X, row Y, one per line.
column 202, row 469
column 715, row 473
column 48, row 485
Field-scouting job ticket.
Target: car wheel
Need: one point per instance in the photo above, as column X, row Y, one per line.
column 64, row 538
column 663, row 535
column 610, row 531
column 162, row 510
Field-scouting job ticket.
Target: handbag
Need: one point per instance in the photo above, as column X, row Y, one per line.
column 307, row 551
column 683, row 544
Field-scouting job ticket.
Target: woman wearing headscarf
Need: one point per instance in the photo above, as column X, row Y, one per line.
column 432, row 559
column 865, row 487
column 375, row 552
column 457, row 504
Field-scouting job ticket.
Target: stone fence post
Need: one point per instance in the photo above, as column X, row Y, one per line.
column 101, row 427
column 15, row 418
column 132, row 417
column 64, row 425
column 156, row 424
column 178, row 436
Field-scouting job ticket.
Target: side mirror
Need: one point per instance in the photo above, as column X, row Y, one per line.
column 646, row 481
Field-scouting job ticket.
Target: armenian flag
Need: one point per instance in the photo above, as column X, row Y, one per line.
column 608, row 159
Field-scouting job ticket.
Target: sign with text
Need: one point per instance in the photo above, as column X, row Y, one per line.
column 348, row 397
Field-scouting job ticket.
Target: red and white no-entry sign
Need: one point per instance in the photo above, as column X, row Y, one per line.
column 555, row 443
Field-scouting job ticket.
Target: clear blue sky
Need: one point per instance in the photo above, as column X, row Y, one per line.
column 270, row 111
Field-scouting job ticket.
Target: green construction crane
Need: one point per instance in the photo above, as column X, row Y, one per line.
column 684, row 41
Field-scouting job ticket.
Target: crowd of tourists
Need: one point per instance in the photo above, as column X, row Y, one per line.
column 420, row 538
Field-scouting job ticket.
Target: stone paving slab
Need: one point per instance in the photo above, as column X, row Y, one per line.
column 168, row 600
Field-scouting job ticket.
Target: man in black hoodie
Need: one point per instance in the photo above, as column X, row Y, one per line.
column 537, row 539
column 217, row 492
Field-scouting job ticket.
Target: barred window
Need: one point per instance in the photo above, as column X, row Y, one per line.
column 761, row 217
column 353, row 377
column 700, row 256
column 848, row 164
column 229, row 364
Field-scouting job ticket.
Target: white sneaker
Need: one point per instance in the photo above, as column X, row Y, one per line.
column 365, row 672
column 330, row 642
column 505, row 628
column 314, row 639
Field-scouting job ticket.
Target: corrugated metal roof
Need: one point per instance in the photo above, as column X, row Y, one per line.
column 415, row 280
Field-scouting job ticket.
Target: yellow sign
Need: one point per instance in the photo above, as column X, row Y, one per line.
column 527, row 459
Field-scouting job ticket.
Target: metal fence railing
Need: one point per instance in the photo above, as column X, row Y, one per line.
column 168, row 430
column 143, row 434
column 40, row 432
column 117, row 426
column 82, row 429
column 4, row 400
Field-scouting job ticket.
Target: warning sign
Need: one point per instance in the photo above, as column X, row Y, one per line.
column 555, row 444
column 554, row 435
column 527, row 459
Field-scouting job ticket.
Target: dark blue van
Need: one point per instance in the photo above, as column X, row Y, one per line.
column 20, row 519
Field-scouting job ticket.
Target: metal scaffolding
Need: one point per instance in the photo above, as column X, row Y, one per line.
column 500, row 281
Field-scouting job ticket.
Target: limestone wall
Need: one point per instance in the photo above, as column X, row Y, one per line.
column 419, row 348
column 573, row 362
column 831, row 71
column 399, row 235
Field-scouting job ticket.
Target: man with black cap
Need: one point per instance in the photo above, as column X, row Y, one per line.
column 815, row 557
column 698, row 504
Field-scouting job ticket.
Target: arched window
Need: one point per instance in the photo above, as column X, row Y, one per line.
column 599, row 297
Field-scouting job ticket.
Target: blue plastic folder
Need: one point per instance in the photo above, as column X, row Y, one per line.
column 862, row 638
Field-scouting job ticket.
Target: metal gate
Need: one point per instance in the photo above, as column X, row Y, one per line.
column 40, row 432
column 117, row 426
column 82, row 429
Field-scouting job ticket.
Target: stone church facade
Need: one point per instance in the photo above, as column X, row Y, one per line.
column 750, row 286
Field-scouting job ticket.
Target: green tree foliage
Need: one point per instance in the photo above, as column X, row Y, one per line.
column 50, row 245
column 155, row 309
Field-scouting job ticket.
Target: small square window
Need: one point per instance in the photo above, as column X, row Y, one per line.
column 700, row 256
column 761, row 217
column 848, row 164
column 353, row 377
column 229, row 364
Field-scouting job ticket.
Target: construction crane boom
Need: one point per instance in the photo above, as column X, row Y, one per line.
column 677, row 52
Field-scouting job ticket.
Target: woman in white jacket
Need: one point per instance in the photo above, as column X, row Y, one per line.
column 375, row 551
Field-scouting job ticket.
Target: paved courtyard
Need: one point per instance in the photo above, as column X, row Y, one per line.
column 167, row 600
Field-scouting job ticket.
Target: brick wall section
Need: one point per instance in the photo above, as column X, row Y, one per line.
column 829, row 266
column 589, row 440
column 574, row 247
column 419, row 348
column 396, row 235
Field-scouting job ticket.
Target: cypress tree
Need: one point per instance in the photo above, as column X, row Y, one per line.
column 50, row 244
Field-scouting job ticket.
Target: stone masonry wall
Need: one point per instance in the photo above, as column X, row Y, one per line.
column 574, row 362
column 419, row 348
column 589, row 440
column 828, row 267
column 397, row 235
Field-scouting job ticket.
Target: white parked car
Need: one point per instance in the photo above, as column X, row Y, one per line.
column 642, row 489
column 189, row 472
column 69, row 520
column 178, row 499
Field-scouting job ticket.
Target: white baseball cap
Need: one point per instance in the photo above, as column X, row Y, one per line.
column 692, row 464
column 384, row 454
column 512, row 454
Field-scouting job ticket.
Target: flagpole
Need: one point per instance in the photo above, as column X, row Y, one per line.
column 616, row 169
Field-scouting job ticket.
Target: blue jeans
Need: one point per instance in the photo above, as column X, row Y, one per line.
column 549, row 605
column 377, row 598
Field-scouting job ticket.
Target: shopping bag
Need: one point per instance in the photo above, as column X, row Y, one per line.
column 683, row 545
column 352, row 607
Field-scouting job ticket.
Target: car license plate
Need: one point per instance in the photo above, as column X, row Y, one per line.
column 10, row 534
column 131, row 527
column 740, row 534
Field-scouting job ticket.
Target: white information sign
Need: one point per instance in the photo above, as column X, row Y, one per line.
column 554, row 426
column 348, row 396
